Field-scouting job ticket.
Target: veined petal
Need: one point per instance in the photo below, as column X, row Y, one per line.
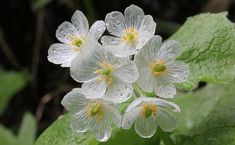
column 80, row 22
column 164, row 90
column 145, row 80
column 81, row 122
column 74, row 101
column 167, row 104
column 119, row 91
column 129, row 118
column 166, row 121
column 133, row 11
column 63, row 54
column 133, row 104
column 103, row 131
column 94, row 88
column 66, row 32
column 177, row 71
column 96, row 30
column 127, row 72
column 114, row 114
column 169, row 50
column 114, row 23
column 146, row 127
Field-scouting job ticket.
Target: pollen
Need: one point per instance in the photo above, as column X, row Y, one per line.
column 77, row 42
column 149, row 109
column 105, row 71
column 95, row 109
column 158, row 67
column 130, row 35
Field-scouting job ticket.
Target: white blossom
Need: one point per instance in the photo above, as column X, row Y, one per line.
column 158, row 69
column 130, row 31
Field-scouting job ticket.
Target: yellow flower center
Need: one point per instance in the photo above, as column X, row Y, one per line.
column 77, row 42
column 105, row 71
column 149, row 109
column 158, row 67
column 130, row 35
column 95, row 109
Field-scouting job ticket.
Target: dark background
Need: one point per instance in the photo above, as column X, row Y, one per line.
column 27, row 29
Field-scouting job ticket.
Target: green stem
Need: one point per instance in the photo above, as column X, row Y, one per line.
column 138, row 91
column 165, row 137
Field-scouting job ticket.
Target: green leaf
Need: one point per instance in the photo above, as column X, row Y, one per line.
column 208, row 116
column 10, row 83
column 37, row 4
column 27, row 132
column 208, row 42
column 6, row 136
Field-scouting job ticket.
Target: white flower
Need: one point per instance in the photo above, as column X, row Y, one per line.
column 158, row 68
column 149, row 113
column 74, row 36
column 91, row 115
column 105, row 75
column 131, row 31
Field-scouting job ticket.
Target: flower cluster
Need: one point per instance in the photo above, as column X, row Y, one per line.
column 130, row 61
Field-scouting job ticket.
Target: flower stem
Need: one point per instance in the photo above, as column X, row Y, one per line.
column 165, row 137
column 137, row 90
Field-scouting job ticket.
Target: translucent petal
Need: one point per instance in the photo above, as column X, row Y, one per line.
column 127, row 72
column 167, row 104
column 169, row 50
column 166, row 121
column 133, row 104
column 114, row 23
column 130, row 117
column 164, row 90
column 112, row 111
column 146, row 32
column 133, row 11
column 94, row 88
column 145, row 127
column 80, row 22
column 118, row 91
column 177, row 71
column 74, row 101
column 146, row 80
column 66, row 32
column 59, row 53
column 96, row 30
column 81, row 122
column 103, row 131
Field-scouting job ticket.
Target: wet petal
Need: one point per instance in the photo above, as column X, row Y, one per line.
column 113, row 112
column 80, row 22
column 133, row 104
column 130, row 117
column 133, row 11
column 63, row 54
column 66, row 32
column 114, row 22
column 103, row 131
column 96, row 30
column 166, row 121
column 145, row 127
column 164, row 90
column 177, row 71
column 167, row 104
column 169, row 50
column 75, row 100
column 145, row 80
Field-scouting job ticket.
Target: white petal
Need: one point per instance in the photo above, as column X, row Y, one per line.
column 114, row 114
column 169, row 50
column 145, row 127
column 59, row 53
column 118, row 91
column 65, row 32
column 133, row 11
column 74, row 101
column 103, row 131
column 114, row 23
column 130, row 117
column 80, row 22
column 146, row 32
column 165, row 90
column 96, row 30
column 84, row 66
column 81, row 122
column 177, row 71
column 94, row 88
column 166, row 121
column 145, row 80
column 133, row 104
column 167, row 104
column 127, row 72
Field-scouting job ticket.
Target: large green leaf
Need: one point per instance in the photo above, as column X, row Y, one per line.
column 10, row 83
column 207, row 117
column 208, row 42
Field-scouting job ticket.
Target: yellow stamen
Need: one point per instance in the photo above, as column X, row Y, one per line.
column 95, row 109
column 158, row 67
column 130, row 35
column 77, row 42
column 105, row 71
column 149, row 109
